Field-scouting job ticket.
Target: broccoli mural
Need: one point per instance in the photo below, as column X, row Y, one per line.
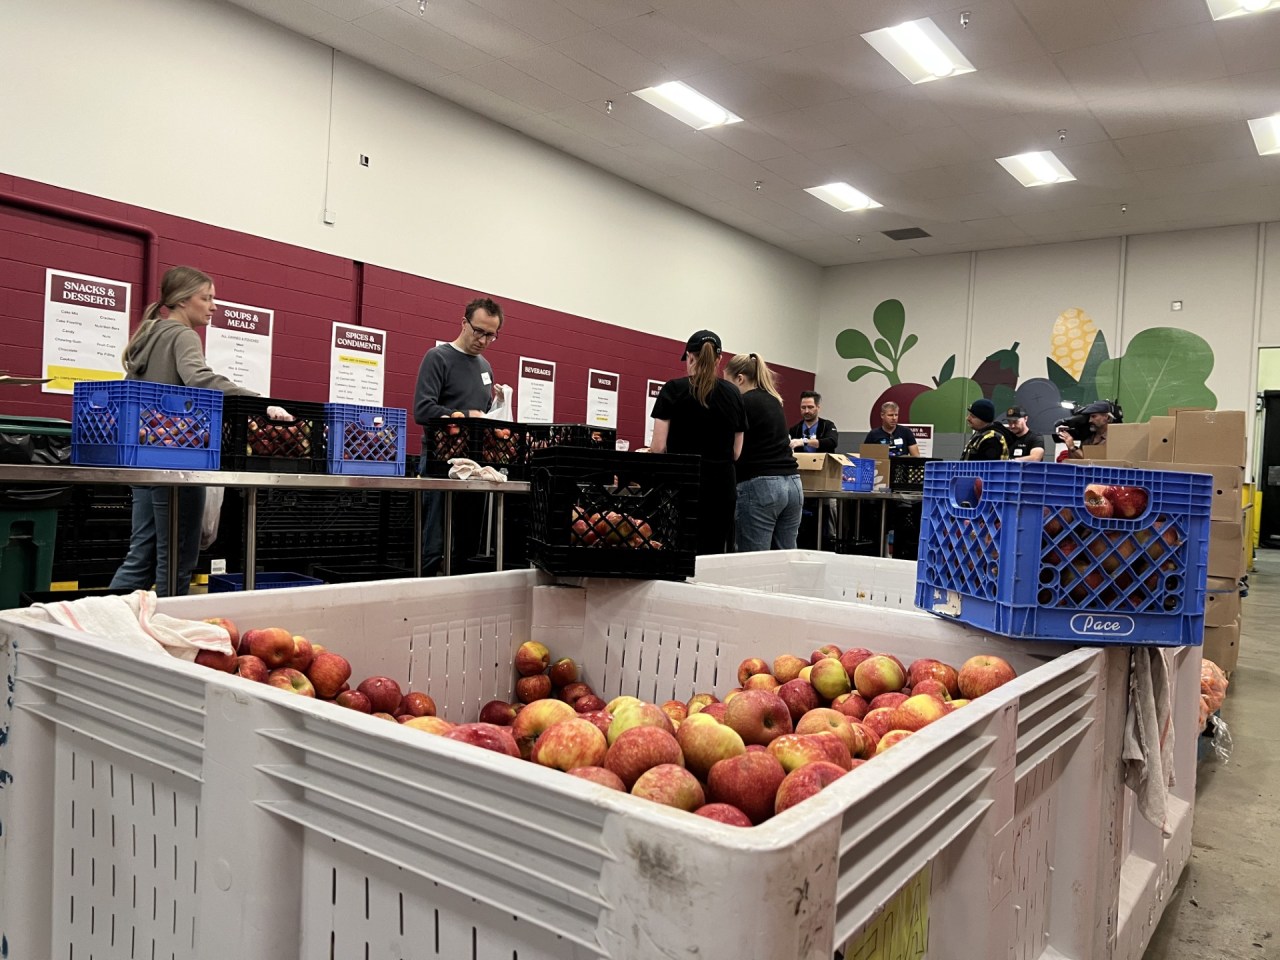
column 1164, row 367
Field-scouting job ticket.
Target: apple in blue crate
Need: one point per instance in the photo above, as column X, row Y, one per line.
column 488, row 736
column 569, row 744
column 982, row 674
column 758, row 715
column 671, row 785
column 749, row 782
column 802, row 783
column 295, row 681
column 705, row 741
column 640, row 749
column 536, row 717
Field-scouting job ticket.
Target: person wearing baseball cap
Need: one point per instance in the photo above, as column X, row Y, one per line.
column 704, row 415
column 990, row 440
column 1100, row 413
column 1026, row 445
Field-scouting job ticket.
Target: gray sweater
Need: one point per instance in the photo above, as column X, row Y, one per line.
column 170, row 352
column 450, row 381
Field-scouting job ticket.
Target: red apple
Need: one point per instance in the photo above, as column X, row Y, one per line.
column 569, row 744
column 749, row 668
column 535, row 718
column 489, row 736
column 295, row 681
column 572, row 691
column 851, row 705
column 272, row 645
column 829, row 678
column 917, row 712
column 794, row 750
column 803, row 782
column 631, row 715
column 879, row 721
column 878, row 674
column 354, row 700
column 886, row 700
column 385, row 716
column 302, row 654
column 836, row 749
column 758, row 716
column 864, row 741
column 436, row 725
column 1096, row 502
column 676, row 710
column 824, row 718
column 589, row 703
column 761, row 681
column 982, row 674
column 852, row 657
column 787, row 667
column 563, row 672
column 749, row 782
column 532, row 658
column 252, row 668
column 329, row 672
column 704, row 741
column 890, row 739
column 671, row 785
column 217, row 660
column 1128, row 503
column 724, row 813
column 498, row 712
column 603, row 719
column 606, row 778
column 231, row 629
column 640, row 749
column 383, row 693
column 417, row 704
column 935, row 688
column 799, row 696
column 404, row 717
column 534, row 687
column 700, row 700
column 826, row 651
column 928, row 669
column 716, row 711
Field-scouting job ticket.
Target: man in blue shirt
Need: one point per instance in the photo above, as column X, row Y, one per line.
column 900, row 441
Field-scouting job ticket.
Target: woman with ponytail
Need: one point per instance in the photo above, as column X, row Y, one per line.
column 166, row 349
column 770, row 496
column 702, row 414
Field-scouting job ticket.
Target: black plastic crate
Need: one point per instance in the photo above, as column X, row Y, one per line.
column 359, row 572
column 490, row 443
column 544, row 436
column 905, row 473
column 251, row 440
column 601, row 513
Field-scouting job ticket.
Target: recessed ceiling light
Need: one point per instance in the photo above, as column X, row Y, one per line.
column 1036, row 169
column 919, row 51
column 687, row 105
column 1266, row 134
column 1223, row 9
column 843, row 197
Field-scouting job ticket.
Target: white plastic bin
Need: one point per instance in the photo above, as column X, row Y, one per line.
column 875, row 581
column 161, row 809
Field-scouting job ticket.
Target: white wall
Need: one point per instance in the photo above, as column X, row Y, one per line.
column 204, row 111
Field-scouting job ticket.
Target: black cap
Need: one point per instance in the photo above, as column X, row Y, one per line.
column 983, row 409
column 1014, row 413
column 1099, row 406
column 695, row 343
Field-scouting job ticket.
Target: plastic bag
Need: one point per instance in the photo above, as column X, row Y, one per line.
column 501, row 409
column 212, row 512
column 1221, row 738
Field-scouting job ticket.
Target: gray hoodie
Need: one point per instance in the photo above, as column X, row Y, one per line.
column 170, row 352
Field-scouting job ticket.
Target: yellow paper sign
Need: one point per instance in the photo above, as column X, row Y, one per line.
column 901, row 931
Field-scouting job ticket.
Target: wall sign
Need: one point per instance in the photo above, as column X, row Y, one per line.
column 86, row 327
column 238, row 344
column 357, row 365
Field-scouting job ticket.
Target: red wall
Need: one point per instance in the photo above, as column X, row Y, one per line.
column 308, row 291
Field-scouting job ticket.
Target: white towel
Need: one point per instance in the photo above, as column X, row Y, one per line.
column 1148, row 735
column 460, row 468
column 130, row 619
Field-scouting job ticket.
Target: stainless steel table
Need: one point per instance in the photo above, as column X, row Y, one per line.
column 245, row 480
column 885, row 496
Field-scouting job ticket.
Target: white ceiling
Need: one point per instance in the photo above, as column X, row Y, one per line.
column 1153, row 96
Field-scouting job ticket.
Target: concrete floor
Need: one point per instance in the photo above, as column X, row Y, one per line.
column 1227, row 904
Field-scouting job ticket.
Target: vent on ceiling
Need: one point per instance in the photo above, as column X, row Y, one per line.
column 906, row 233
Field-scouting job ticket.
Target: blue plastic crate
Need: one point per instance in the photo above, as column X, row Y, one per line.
column 136, row 423
column 859, row 475
column 1011, row 548
column 367, row 441
column 229, row 582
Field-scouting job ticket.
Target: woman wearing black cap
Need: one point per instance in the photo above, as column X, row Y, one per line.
column 702, row 414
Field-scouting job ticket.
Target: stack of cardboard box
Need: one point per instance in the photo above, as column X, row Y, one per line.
column 1200, row 441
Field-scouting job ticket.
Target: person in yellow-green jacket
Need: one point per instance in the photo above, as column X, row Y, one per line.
column 990, row 440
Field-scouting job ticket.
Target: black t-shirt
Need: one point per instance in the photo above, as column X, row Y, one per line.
column 899, row 442
column 708, row 430
column 1023, row 445
column 766, row 447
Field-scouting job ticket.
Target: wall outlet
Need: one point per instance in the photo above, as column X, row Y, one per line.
column 364, row 160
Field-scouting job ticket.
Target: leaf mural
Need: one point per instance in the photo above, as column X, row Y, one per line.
column 889, row 318
column 1003, row 397
column 1068, row 386
column 1164, row 367
column 1098, row 355
column 946, row 406
column 947, row 371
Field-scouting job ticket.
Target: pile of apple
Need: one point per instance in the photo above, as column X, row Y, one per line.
column 278, row 658
column 159, row 429
column 610, row 529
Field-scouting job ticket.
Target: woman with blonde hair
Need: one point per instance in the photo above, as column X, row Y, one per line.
column 166, row 349
column 770, row 496
column 702, row 414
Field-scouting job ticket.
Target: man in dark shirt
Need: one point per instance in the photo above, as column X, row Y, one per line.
column 900, row 441
column 1026, row 445
column 813, row 434
column 990, row 440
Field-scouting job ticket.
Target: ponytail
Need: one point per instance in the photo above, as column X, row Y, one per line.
column 756, row 371
column 177, row 285
column 703, row 379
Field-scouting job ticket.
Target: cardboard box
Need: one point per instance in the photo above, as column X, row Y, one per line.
column 1228, row 484
column 1221, row 602
column 1222, row 645
column 1210, row 436
column 1226, row 549
column 821, row 471
column 1127, row 441
column 880, row 453
column 1160, row 432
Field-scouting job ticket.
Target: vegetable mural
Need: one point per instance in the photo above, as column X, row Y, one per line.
column 1164, row 367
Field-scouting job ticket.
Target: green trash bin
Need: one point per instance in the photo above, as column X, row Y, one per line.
column 29, row 512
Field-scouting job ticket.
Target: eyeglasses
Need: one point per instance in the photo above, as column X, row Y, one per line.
column 482, row 334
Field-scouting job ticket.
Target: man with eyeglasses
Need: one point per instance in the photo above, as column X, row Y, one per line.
column 455, row 380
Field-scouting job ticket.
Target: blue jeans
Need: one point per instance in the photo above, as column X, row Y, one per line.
column 147, row 561
column 768, row 513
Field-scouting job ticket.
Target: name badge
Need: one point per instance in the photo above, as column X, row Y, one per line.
column 1019, row 452
column 897, row 441
column 485, row 378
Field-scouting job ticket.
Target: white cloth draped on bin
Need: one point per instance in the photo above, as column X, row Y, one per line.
column 1148, row 734
column 460, row 468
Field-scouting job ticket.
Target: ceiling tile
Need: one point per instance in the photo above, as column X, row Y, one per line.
column 423, row 38
column 995, row 228
column 396, row 60
column 1034, row 85
column 934, row 148
column 996, row 34
column 1249, row 44
column 794, row 129
column 1180, row 55
column 1062, row 26
column 1103, row 70
column 1133, row 114
column 1149, row 16
column 850, row 62
column 742, row 93
column 1257, row 93
column 1079, row 123
column 750, row 141
column 478, row 27
column 349, row 9
column 1005, row 136
column 789, row 76
column 1197, row 104
column 906, row 109
column 554, row 68
column 604, row 54
column 968, row 98
column 599, row 12
column 800, row 170
column 659, row 39
column 662, row 158
column 595, row 123
column 504, row 79
column 544, row 20
column 1176, row 148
